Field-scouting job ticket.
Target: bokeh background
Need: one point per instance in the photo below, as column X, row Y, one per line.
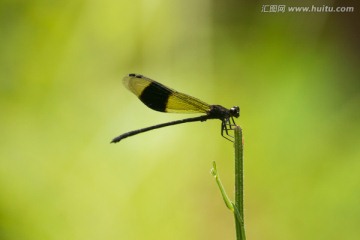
column 294, row 75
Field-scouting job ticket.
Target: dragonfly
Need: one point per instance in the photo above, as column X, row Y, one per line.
column 164, row 99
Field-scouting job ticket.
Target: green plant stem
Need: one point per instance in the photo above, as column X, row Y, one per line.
column 239, row 185
column 238, row 207
column 228, row 203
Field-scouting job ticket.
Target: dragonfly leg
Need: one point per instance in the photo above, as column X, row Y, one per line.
column 225, row 127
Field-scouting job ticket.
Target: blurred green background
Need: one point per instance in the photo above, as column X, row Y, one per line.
column 294, row 75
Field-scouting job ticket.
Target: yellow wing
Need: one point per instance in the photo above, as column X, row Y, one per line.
column 161, row 98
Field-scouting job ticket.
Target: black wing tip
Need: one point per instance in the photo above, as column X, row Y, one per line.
column 135, row 75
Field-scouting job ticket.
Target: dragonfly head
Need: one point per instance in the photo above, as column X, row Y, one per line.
column 235, row 111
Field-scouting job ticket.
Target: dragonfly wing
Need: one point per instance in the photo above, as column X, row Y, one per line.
column 161, row 98
column 180, row 102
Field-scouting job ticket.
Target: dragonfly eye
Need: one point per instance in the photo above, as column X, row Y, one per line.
column 235, row 111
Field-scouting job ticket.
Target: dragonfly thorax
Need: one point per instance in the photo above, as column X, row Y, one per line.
column 219, row 112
